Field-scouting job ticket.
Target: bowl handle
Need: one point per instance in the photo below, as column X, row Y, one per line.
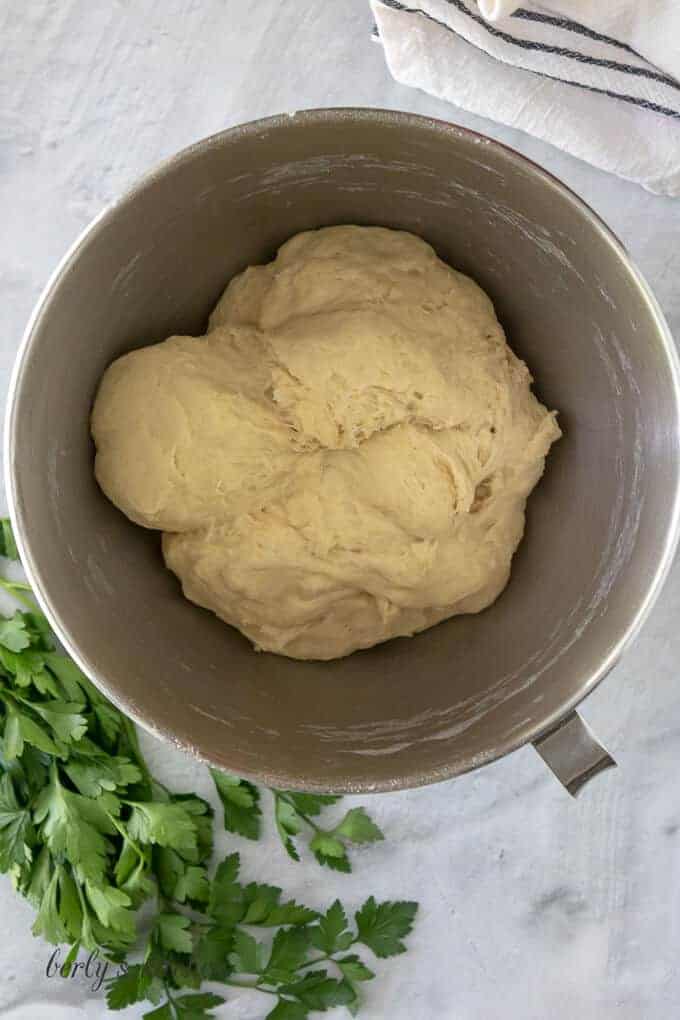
column 572, row 752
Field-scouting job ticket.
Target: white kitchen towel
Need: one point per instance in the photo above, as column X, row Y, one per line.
column 593, row 86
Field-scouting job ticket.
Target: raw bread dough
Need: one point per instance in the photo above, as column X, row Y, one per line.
column 346, row 455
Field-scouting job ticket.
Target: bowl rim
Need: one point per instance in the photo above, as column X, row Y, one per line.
column 17, row 511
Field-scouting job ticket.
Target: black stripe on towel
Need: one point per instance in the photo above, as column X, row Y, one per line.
column 644, row 104
column 573, row 26
column 562, row 51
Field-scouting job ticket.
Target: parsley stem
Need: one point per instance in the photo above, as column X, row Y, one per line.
column 252, row 985
column 301, row 814
column 328, row 956
column 173, row 1004
column 317, row 959
column 16, row 590
column 86, row 935
column 124, row 833
column 131, row 734
column 83, row 904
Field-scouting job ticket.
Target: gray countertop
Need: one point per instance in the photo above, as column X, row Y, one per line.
column 532, row 905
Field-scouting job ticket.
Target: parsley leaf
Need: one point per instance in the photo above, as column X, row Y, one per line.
column 336, row 859
column 195, row 1007
column 318, row 991
column 93, row 775
column 247, row 953
column 193, row 886
column 287, row 1010
column 16, row 828
column 112, row 908
column 165, row 824
column 263, row 907
column 64, row 717
column 331, row 934
column 226, row 903
column 8, row 546
column 14, row 633
column 240, row 801
column 255, row 904
column 288, row 823
column 108, row 719
column 72, row 679
column 13, row 742
column 28, row 667
column 131, row 873
column 33, row 733
column 201, row 815
column 311, row 803
column 354, row 969
column 38, row 877
column 48, row 921
column 212, row 953
column 173, row 932
column 358, row 827
column 325, row 845
column 129, row 987
column 76, row 826
column 288, row 952
column 382, row 926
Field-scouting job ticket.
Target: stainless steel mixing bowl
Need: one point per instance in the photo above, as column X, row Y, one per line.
column 601, row 528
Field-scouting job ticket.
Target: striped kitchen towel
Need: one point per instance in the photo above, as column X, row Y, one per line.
column 600, row 80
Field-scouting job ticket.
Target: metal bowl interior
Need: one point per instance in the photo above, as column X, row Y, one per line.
column 601, row 525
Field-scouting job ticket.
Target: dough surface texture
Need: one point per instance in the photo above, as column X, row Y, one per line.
column 343, row 458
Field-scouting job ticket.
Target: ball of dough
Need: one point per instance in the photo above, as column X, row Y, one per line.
column 344, row 458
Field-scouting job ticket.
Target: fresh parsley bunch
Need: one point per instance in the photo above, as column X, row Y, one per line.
column 88, row 835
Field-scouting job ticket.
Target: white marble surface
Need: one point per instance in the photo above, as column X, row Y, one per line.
column 532, row 906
